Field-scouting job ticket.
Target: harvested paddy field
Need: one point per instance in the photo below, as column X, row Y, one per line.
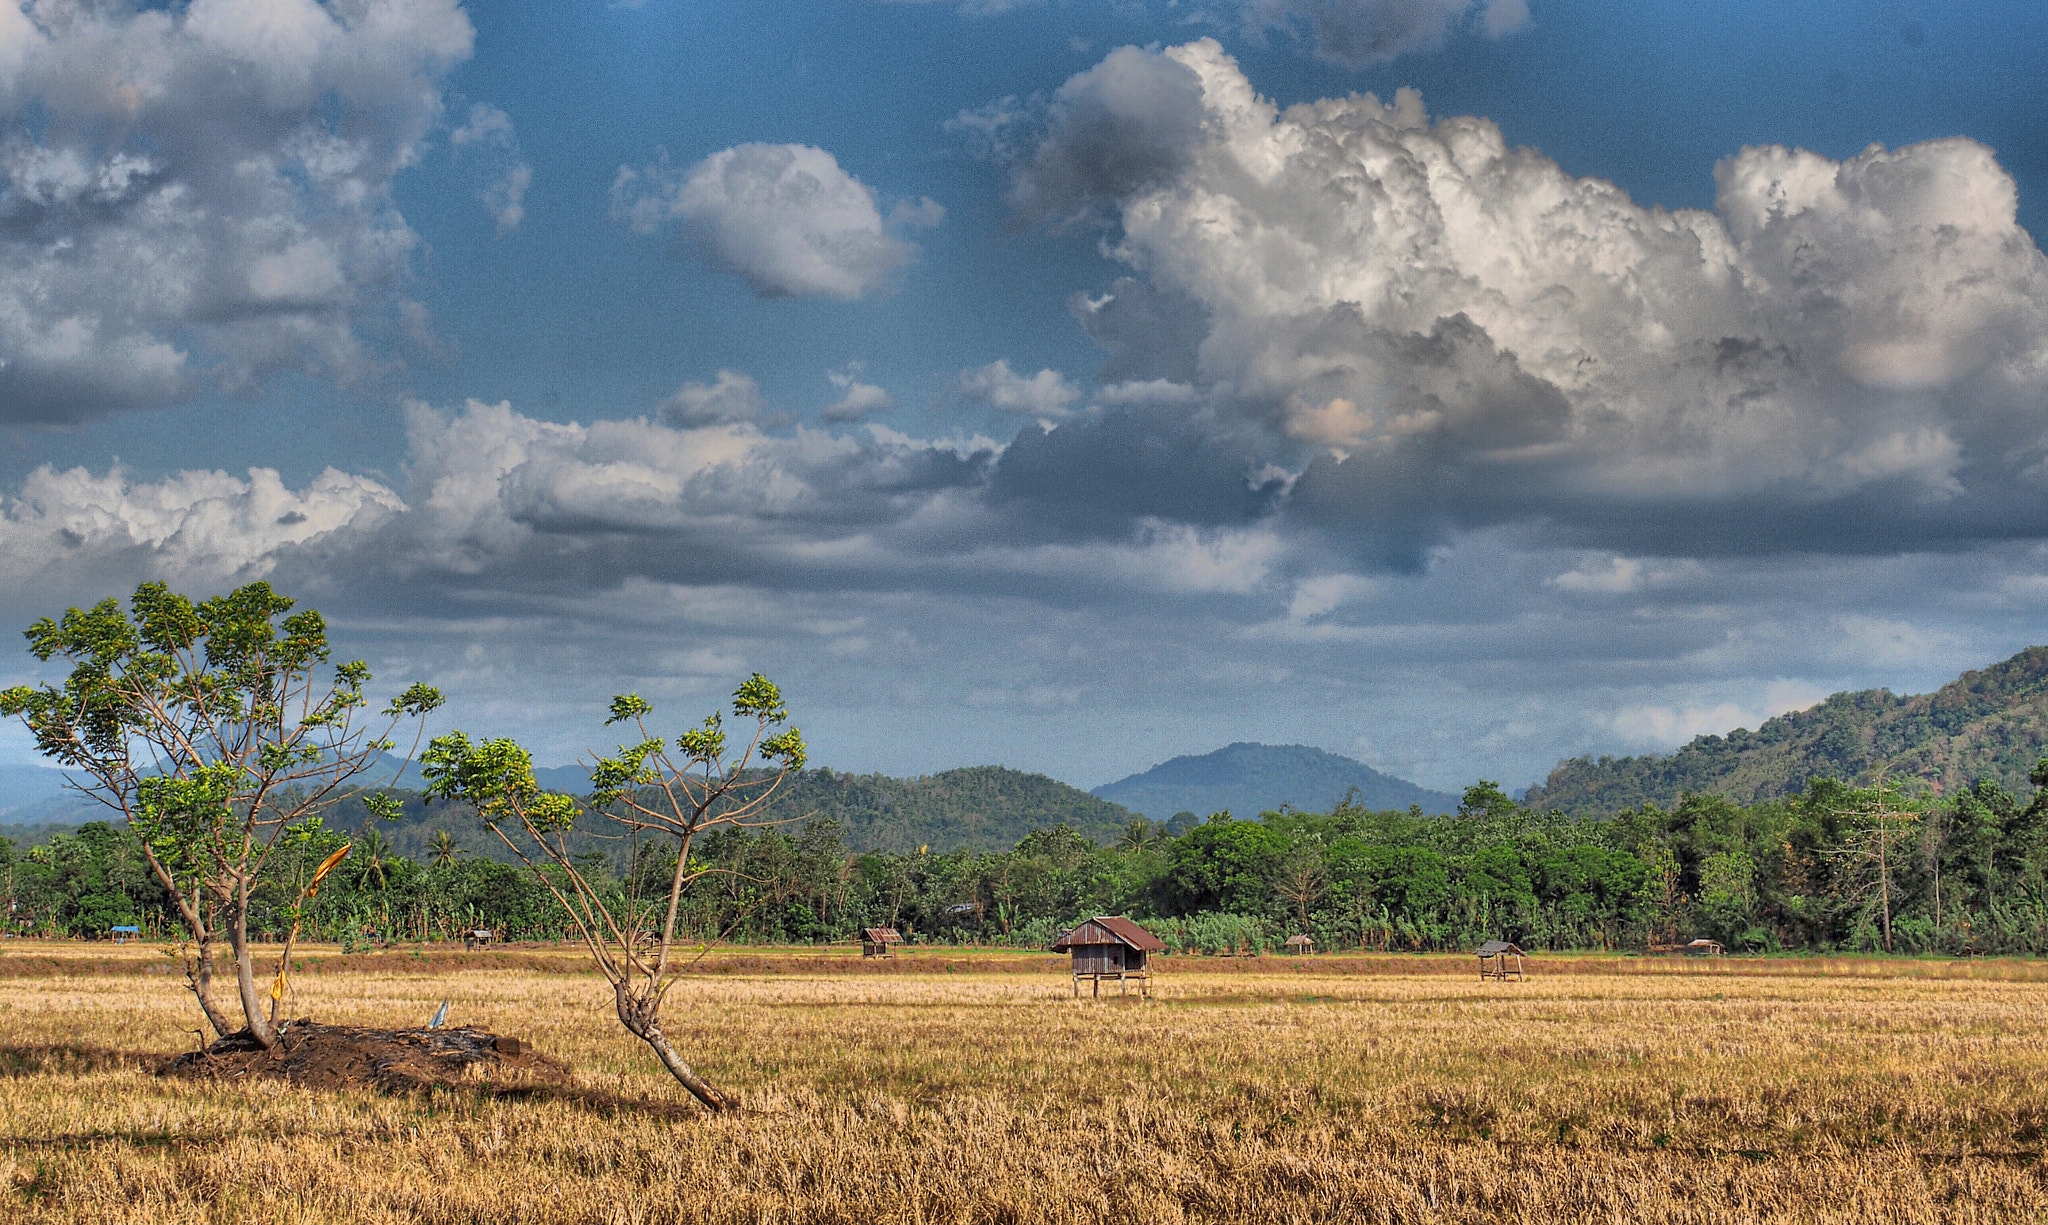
column 971, row 1086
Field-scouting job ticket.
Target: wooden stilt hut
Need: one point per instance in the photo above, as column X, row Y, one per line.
column 879, row 941
column 1500, row 959
column 1301, row 943
column 1113, row 948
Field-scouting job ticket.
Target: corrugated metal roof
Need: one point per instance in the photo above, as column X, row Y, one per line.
column 1494, row 948
column 880, row 935
column 1107, row 929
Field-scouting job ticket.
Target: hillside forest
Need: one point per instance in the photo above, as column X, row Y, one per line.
column 1832, row 868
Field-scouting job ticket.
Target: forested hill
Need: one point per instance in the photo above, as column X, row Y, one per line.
column 979, row 807
column 1991, row 724
column 1249, row 779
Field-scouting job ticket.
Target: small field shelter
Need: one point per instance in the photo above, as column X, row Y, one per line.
column 1500, row 959
column 1113, row 948
column 879, row 941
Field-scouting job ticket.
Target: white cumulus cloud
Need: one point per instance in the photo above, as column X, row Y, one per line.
column 785, row 217
column 67, row 530
column 856, row 399
column 1047, row 395
column 202, row 193
column 489, row 131
column 732, row 396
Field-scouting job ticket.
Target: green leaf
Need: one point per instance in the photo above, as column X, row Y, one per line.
column 629, row 706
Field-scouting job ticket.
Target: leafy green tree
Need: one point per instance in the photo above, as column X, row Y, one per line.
column 213, row 728
column 651, row 792
column 1663, row 893
column 1486, row 799
column 1727, row 898
column 1225, row 865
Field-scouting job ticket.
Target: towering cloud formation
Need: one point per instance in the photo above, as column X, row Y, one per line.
column 203, row 193
column 1455, row 332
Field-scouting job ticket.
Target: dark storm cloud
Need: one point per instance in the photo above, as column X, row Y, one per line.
column 1149, row 333
column 1127, row 124
column 1360, row 32
column 1096, row 478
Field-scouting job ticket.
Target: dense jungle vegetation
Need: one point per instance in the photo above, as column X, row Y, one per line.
column 1833, row 868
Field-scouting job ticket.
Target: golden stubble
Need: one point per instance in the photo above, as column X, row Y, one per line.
column 913, row 1095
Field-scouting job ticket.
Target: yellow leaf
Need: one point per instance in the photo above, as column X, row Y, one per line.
column 326, row 866
column 277, row 988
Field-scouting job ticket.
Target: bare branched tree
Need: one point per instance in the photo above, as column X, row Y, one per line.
column 656, row 789
column 1877, row 828
column 1302, row 880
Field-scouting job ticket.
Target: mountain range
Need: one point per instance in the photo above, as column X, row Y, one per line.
column 980, row 807
column 1248, row 779
column 1991, row 724
column 977, row 807
column 1988, row 724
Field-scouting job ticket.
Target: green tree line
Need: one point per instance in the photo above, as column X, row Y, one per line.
column 1835, row 868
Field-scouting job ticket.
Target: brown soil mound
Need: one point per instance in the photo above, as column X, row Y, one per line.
column 342, row 1056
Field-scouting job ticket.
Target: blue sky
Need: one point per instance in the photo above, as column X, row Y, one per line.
column 1027, row 382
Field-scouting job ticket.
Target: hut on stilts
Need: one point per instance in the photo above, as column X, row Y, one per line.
column 1500, row 959
column 1112, row 948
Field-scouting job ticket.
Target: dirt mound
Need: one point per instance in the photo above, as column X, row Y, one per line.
column 343, row 1056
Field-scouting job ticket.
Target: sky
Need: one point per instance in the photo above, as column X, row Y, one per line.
column 1456, row 385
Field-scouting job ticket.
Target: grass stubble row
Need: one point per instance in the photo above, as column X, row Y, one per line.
column 996, row 1097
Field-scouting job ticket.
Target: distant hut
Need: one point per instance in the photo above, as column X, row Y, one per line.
column 122, row 932
column 1704, row 948
column 1114, row 948
column 879, row 941
column 1301, row 943
column 1500, row 959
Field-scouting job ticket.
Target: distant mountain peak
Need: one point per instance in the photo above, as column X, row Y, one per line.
column 1249, row 778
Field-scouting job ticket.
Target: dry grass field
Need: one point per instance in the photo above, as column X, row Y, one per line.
column 1384, row 1089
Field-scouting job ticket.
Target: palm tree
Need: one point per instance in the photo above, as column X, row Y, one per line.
column 1141, row 833
column 442, row 847
column 376, row 854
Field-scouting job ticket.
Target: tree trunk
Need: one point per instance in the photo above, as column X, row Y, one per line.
column 641, row 1020
column 1884, row 873
column 199, row 976
column 245, row 980
column 202, row 922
